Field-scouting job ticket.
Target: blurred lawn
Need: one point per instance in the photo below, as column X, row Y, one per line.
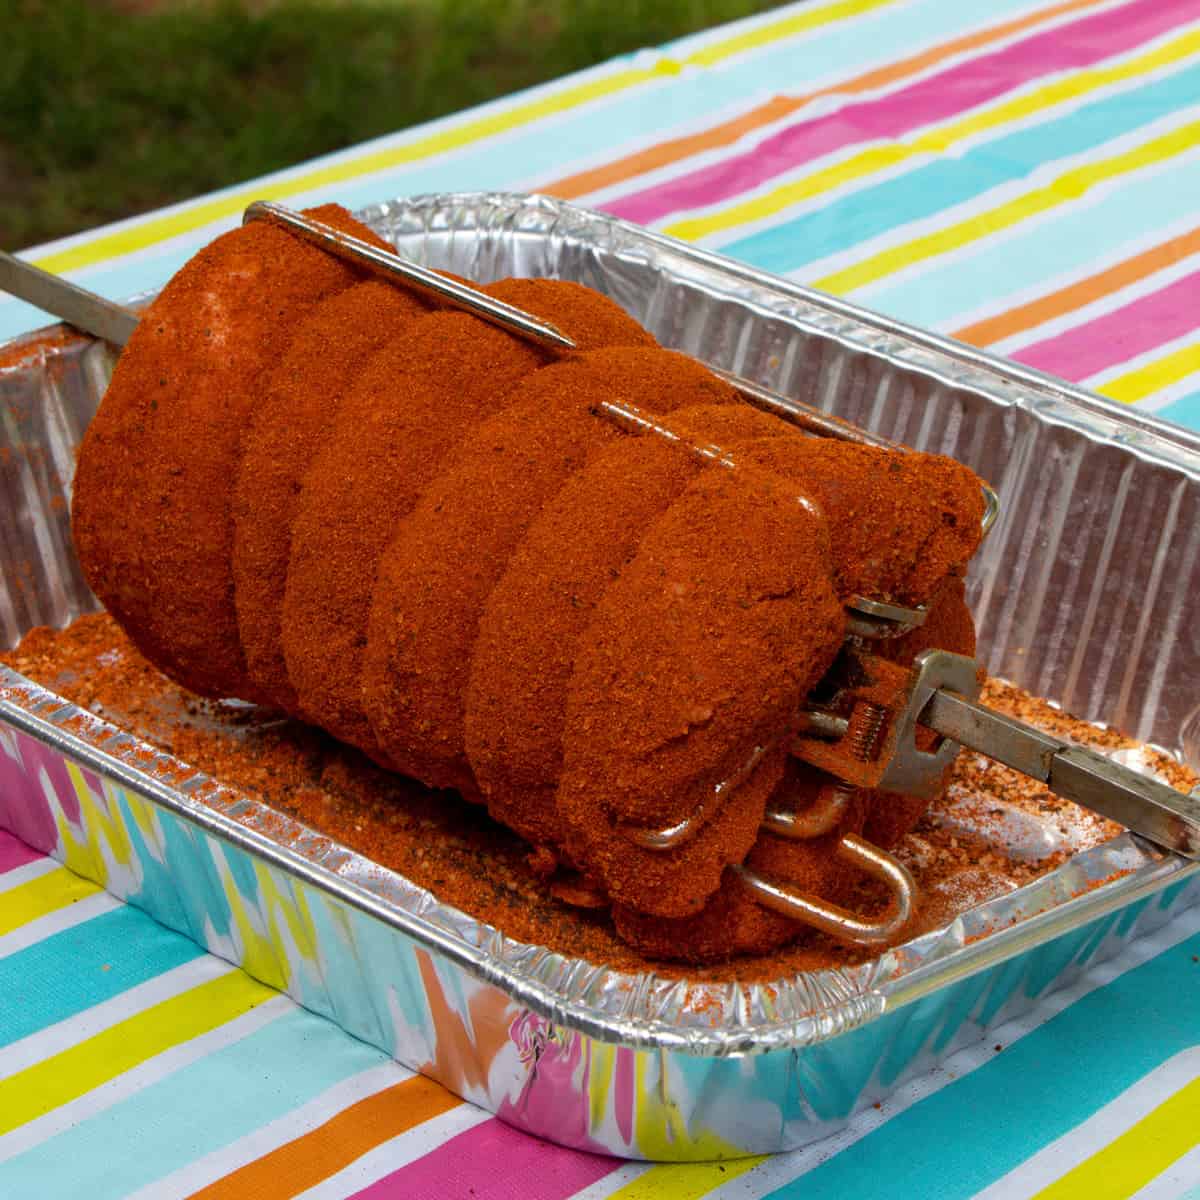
column 110, row 108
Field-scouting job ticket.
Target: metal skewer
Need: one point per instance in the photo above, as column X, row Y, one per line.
column 396, row 267
column 514, row 320
column 1140, row 802
column 354, row 250
column 77, row 306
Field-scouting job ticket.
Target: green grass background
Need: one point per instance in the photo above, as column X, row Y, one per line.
column 111, row 108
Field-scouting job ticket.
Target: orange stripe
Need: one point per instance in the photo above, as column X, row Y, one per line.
column 665, row 153
column 1084, row 291
column 298, row 1165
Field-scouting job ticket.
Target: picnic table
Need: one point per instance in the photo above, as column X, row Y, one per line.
column 1023, row 176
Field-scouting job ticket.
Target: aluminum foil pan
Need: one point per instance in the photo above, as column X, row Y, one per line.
column 1088, row 592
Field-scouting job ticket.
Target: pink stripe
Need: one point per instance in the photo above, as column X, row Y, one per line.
column 933, row 99
column 14, row 853
column 493, row 1161
column 1120, row 335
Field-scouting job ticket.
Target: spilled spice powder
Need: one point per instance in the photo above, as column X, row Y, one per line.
column 453, row 848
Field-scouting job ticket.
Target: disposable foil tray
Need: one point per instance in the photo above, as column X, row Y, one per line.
column 1087, row 592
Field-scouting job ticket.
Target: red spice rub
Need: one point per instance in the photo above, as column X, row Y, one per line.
column 445, row 560
column 590, row 319
column 406, row 412
column 286, row 429
column 898, row 522
column 396, row 429
column 733, row 923
column 152, row 516
column 537, row 612
column 653, row 379
column 735, row 623
column 733, row 678
column 539, row 609
column 436, row 574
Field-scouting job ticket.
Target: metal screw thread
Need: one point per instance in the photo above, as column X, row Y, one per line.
column 862, row 736
column 866, row 724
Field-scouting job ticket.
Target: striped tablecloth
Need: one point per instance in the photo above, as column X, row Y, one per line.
column 1023, row 176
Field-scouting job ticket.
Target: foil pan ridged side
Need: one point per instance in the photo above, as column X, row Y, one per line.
column 1088, row 592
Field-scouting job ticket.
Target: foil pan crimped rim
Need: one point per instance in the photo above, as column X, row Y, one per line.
column 642, row 1010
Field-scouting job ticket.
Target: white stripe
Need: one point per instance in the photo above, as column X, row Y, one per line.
column 702, row 158
column 1100, row 307
column 1054, row 1161
column 193, row 1176
column 690, row 44
column 33, row 1133
column 1044, row 175
column 960, row 145
column 401, row 1150
column 62, row 1035
column 24, row 874
column 1012, row 232
column 819, row 200
column 66, row 917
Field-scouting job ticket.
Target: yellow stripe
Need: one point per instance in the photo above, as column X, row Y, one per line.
column 45, row 894
column 56, row 1081
column 442, row 141
column 1140, row 1154
column 935, row 141
column 1065, row 189
column 1137, row 385
column 684, row 1181
column 775, row 31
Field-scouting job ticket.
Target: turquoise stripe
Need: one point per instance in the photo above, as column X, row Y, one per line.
column 1184, row 411
column 601, row 129
column 192, row 1112
column 83, row 966
column 929, row 190
column 942, row 296
column 973, row 1131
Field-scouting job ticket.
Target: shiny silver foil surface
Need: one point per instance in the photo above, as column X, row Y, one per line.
column 1087, row 592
